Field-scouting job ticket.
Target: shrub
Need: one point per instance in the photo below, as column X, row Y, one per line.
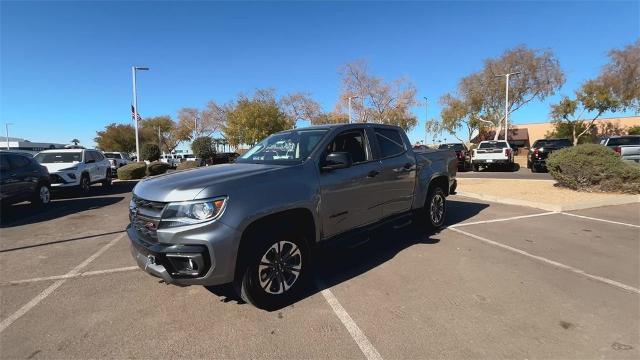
column 592, row 167
column 187, row 165
column 634, row 130
column 203, row 148
column 157, row 168
column 132, row 171
column 150, row 152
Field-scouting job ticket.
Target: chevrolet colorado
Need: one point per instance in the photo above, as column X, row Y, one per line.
column 256, row 223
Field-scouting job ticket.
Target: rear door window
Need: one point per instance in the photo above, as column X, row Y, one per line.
column 390, row 142
column 18, row 162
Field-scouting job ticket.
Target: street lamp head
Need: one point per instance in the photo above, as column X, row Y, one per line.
column 141, row 68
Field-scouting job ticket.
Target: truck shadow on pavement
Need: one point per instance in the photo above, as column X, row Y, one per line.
column 337, row 265
column 64, row 203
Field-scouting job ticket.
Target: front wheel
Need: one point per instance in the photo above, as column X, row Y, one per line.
column 476, row 168
column 275, row 271
column 107, row 179
column 42, row 196
column 85, row 185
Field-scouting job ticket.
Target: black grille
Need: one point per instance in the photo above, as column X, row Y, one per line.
column 56, row 179
column 145, row 217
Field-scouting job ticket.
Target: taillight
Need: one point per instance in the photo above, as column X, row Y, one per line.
column 461, row 154
column 507, row 152
column 618, row 150
column 536, row 153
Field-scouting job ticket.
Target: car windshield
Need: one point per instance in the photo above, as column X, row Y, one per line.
column 551, row 143
column 451, row 146
column 627, row 140
column 290, row 147
column 113, row 155
column 58, row 157
column 493, row 145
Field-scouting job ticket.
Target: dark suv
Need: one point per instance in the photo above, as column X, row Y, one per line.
column 540, row 151
column 462, row 154
column 22, row 178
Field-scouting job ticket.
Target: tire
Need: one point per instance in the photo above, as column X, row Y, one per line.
column 534, row 168
column 434, row 211
column 42, row 196
column 85, row 185
column 108, row 178
column 476, row 168
column 260, row 284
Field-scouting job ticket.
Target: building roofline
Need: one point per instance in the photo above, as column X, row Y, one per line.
column 608, row 118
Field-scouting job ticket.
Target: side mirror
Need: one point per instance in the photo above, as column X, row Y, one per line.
column 337, row 160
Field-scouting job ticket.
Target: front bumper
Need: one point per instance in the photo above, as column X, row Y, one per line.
column 61, row 179
column 213, row 247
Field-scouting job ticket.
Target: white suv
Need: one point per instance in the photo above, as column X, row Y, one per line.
column 76, row 168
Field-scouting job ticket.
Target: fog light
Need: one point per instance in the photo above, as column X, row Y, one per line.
column 186, row 264
column 71, row 176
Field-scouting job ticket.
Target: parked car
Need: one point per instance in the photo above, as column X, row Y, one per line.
column 462, row 154
column 76, row 168
column 224, row 158
column 491, row 154
column 170, row 159
column 117, row 160
column 540, row 151
column 22, row 178
column 257, row 222
column 192, row 157
column 627, row 147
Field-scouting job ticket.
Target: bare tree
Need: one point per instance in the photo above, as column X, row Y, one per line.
column 300, row 106
column 194, row 123
column 377, row 100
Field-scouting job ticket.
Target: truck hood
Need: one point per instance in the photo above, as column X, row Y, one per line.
column 53, row 167
column 186, row 185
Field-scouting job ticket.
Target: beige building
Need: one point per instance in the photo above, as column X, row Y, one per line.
column 605, row 126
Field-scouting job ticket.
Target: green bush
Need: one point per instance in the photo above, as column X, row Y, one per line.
column 150, row 152
column 157, row 168
column 187, row 165
column 203, row 148
column 592, row 167
column 634, row 130
column 132, row 171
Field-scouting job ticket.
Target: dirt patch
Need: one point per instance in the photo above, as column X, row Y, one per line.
column 537, row 191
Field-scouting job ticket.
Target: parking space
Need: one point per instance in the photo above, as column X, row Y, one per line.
column 501, row 282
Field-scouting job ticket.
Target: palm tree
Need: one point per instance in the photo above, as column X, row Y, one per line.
column 75, row 141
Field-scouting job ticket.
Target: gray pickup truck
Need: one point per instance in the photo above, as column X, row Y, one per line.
column 257, row 223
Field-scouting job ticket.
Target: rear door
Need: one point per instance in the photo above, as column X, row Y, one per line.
column 90, row 165
column 349, row 196
column 102, row 165
column 398, row 170
column 22, row 174
column 8, row 179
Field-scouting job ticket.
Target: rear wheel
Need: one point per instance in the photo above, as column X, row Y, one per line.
column 476, row 167
column 107, row 179
column 534, row 168
column 276, row 269
column 433, row 213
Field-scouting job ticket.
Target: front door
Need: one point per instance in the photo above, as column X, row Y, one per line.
column 349, row 195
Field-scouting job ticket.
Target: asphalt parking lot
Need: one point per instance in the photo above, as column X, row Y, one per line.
column 500, row 282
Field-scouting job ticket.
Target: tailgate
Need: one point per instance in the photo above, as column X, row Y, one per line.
column 490, row 154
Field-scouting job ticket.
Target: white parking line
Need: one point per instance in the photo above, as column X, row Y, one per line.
column 603, row 220
column 358, row 336
column 551, row 262
column 504, row 219
column 67, row 276
column 48, row 291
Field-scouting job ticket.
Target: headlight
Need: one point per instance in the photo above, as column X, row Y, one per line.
column 70, row 168
column 192, row 212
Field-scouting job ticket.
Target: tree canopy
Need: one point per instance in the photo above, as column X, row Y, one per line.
column 116, row 137
column 614, row 89
column 480, row 97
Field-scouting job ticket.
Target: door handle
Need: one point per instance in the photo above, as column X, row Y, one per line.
column 373, row 173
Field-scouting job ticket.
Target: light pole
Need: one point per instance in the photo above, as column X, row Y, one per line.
column 426, row 120
column 506, row 102
column 351, row 97
column 6, row 128
column 135, row 107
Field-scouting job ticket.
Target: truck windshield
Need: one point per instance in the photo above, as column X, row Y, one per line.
column 113, row 155
column 290, row 147
column 59, row 157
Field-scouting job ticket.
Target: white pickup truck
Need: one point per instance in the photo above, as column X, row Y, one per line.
column 627, row 147
column 490, row 154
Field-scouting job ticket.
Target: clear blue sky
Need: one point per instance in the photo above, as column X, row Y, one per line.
column 65, row 66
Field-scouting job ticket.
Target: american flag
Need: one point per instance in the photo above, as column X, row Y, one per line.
column 133, row 113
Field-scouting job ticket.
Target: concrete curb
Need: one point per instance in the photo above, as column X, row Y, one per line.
column 621, row 200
